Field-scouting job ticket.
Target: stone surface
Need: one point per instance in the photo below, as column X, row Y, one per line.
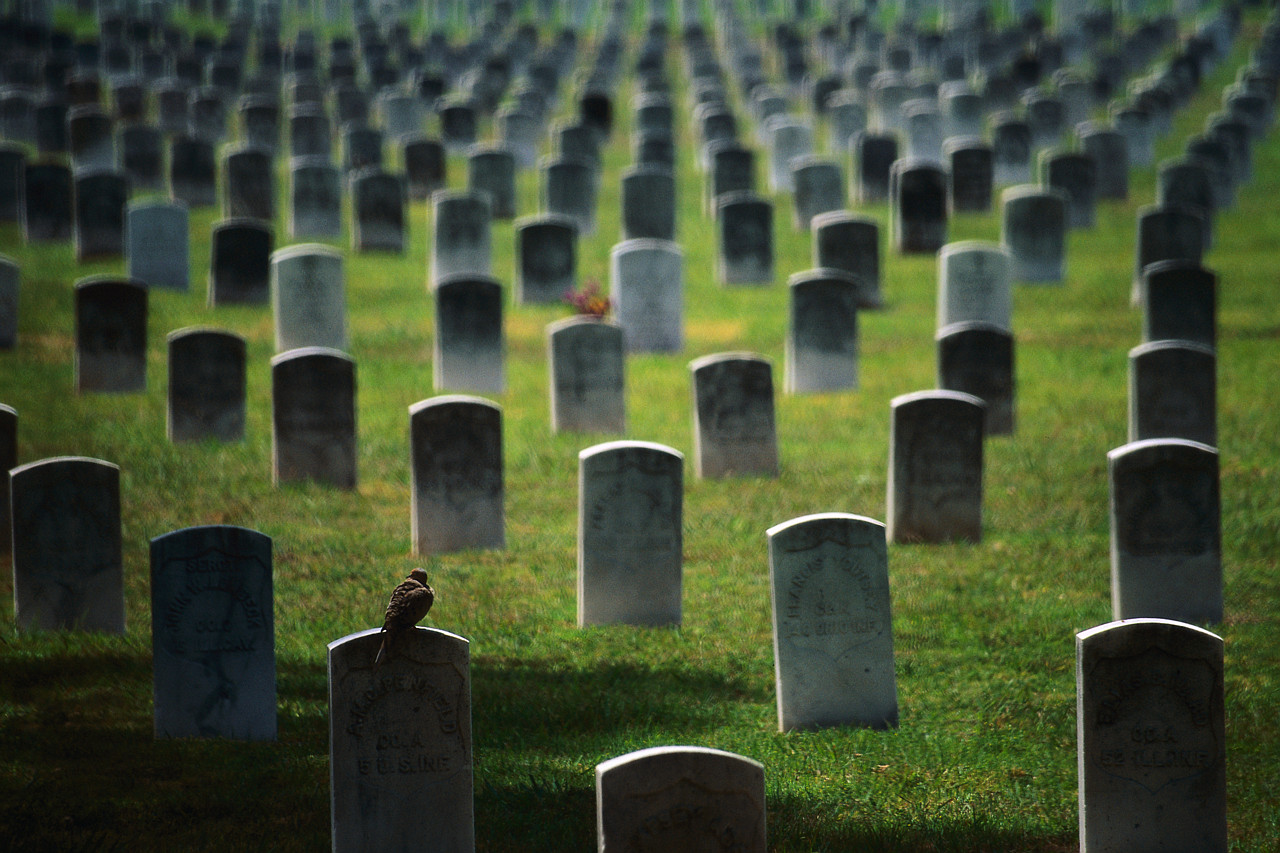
column 10, row 287
column 744, row 225
column 587, row 369
column 315, row 199
column 400, row 752
column 213, row 634
column 974, row 284
column 733, row 418
column 68, row 569
column 832, row 625
column 1166, row 531
column 308, row 297
column 918, row 206
column 1166, row 233
column 100, row 199
column 378, row 202
column 455, row 445
column 678, row 798
column 1033, row 228
column 647, row 285
column 249, row 184
column 111, row 335
column 630, row 540
column 469, row 343
column 1173, row 392
column 1179, row 303
column 313, row 417
column 240, row 262
column 1151, row 738
column 977, row 358
column 8, row 461
column 206, row 385
column 462, row 240
column 648, row 203
column 157, row 244
column 822, row 339
column 546, row 259
column 935, row 467
column 46, row 203
column 850, row 243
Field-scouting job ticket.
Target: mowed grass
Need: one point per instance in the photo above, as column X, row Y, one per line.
column 984, row 758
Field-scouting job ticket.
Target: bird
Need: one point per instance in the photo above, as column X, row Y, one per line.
column 410, row 601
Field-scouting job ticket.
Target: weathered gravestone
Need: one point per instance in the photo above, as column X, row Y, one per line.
column 569, row 189
column 378, row 211
column 315, row 208
column 1034, row 229
column 455, row 447
column 733, row 419
column 731, row 168
column 67, row 559
column 491, row 172
column 51, row 124
column 425, row 166
column 918, row 206
column 974, row 284
column 832, row 623
column 240, row 262
column 213, row 634
column 648, row 203
column 935, row 467
column 193, row 171
column 546, row 258
column 142, row 156
column 970, row 174
column 10, row 277
column 313, row 417
column 1173, row 392
column 157, row 244
column 680, row 798
column 457, row 125
column 850, row 243
column 361, row 148
column 744, row 225
column 1110, row 159
column 819, row 188
column 1073, row 174
column 1166, row 531
column 1179, row 303
column 308, row 297
column 647, row 283
column 111, row 335
column 310, row 133
column 1134, row 124
column 100, row 199
column 977, row 358
column 46, row 203
column 1011, row 149
column 260, row 117
column 462, row 242
column 206, row 385
column 822, row 341
column 874, row 156
column 1151, row 738
column 249, row 184
column 401, row 114
column 1166, row 233
column 469, row 345
column 630, row 540
column 1186, row 182
column 13, row 165
column 400, row 753
column 587, row 366
column 90, row 138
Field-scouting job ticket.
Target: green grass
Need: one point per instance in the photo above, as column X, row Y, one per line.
column 984, row 757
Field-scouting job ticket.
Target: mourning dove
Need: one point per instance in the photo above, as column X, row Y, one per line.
column 410, row 601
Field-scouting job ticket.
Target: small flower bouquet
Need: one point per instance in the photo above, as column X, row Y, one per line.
column 589, row 301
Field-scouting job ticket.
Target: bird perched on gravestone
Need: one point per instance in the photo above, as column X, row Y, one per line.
column 410, row 601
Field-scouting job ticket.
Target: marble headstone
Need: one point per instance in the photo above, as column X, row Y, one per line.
column 587, row 369
column 734, row 433
column 313, row 417
column 157, row 244
column 935, row 467
column 469, row 344
column 822, row 339
column 308, row 297
column 206, row 385
column 111, row 335
column 648, row 291
column 1173, row 392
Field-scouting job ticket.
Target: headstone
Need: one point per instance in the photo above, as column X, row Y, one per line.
column 361, row 148
column 1187, row 183
column 207, row 115
column 630, row 539
column 850, row 243
column 733, row 418
column 1011, row 150
column 47, row 207
column 918, row 206
column 8, row 461
column 192, row 172
column 313, row 417
column 308, row 297
column 935, row 467
column 744, row 224
column 469, row 342
column 157, row 244
column 51, row 125
column 1151, row 738
column 846, row 118
column 569, row 189
column 400, row 753
column 974, row 284
column 457, row 474
column 1180, row 303
column 648, row 204
column 587, row 369
column 462, row 239
column 378, row 211
column 791, row 138
column 647, row 283
column 310, row 133
column 425, row 166
column 1110, row 156
column 315, row 208
column 819, row 188
column 240, row 262
column 491, row 172
column 206, row 385
column 923, row 126
column 832, row 623
column 142, row 156
column 213, row 634
column 970, row 173
column 977, row 358
column 1166, row 539
column 732, row 168
column 1173, row 392
column 402, row 115
column 874, row 156
column 100, row 199
column 1072, row 174
column 1134, row 125
column 249, row 184
column 546, row 259
column 457, row 125
column 111, row 335
column 822, row 341
column 13, row 165
column 67, row 552
column 1034, row 229
column 680, row 798
column 260, row 117
column 90, row 138
column 1046, row 116
column 10, row 279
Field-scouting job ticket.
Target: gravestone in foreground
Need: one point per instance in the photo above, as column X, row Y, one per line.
column 206, row 385
column 400, row 754
column 832, row 627
column 733, row 419
column 935, row 467
column 587, row 365
column 1166, row 531
column 630, row 541
column 456, row 474
column 213, row 634
column 313, row 417
column 680, row 798
column 67, row 562
column 1150, row 738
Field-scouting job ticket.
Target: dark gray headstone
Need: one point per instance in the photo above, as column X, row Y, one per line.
column 874, row 155
column 491, row 171
column 361, row 148
column 822, row 341
column 13, row 166
column 8, row 461
column 648, row 203
column 310, row 133
column 1110, row 159
column 587, row 369
column 469, row 343
column 111, row 335
column 970, row 173
column 378, row 210
column 313, row 417
column 192, row 171
column 157, row 244
column 569, row 189
column 10, row 281
column 249, row 184
column 425, row 166
column 1011, row 150
column 733, row 416
column 100, row 199
column 1180, row 302
column 546, row 259
column 90, row 138
column 240, row 262
column 462, row 241
column 977, row 358
column 206, row 385
column 918, row 206
column 819, row 188
column 46, row 203
column 850, row 243
column 1034, row 229
column 935, row 467
column 213, row 634
column 1173, row 392
column 315, row 208
column 1073, row 174
column 744, row 225
column 142, row 156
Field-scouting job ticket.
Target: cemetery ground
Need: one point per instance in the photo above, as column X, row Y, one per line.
column 984, row 757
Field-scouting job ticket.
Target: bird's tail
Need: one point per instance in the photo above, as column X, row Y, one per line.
column 384, row 650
